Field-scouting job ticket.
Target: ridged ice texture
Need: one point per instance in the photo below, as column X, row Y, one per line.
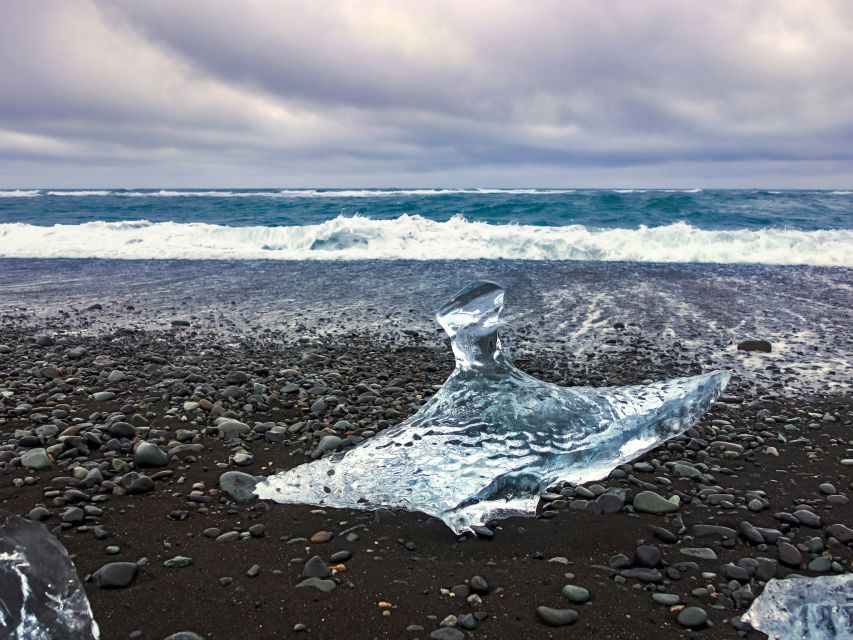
column 41, row 597
column 805, row 609
column 493, row 437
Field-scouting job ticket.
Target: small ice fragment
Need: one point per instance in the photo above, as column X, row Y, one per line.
column 805, row 608
column 493, row 437
column 41, row 597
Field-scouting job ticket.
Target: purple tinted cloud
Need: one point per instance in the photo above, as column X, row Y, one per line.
column 208, row 93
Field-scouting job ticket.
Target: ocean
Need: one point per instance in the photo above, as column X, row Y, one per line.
column 632, row 225
column 692, row 272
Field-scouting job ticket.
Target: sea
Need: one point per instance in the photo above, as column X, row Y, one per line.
column 691, row 271
column 633, row 225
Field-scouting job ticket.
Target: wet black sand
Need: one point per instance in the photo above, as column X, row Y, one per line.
column 327, row 346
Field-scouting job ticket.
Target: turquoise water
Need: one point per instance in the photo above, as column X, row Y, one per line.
column 633, row 225
column 617, row 208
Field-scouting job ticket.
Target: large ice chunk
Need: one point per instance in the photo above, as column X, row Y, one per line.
column 805, row 608
column 493, row 437
column 41, row 597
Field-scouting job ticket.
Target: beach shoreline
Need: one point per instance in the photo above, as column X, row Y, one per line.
column 402, row 558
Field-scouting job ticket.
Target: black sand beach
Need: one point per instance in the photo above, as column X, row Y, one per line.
column 100, row 357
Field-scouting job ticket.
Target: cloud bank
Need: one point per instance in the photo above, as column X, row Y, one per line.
column 355, row 93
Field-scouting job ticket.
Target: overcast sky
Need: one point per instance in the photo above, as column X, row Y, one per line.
column 156, row 93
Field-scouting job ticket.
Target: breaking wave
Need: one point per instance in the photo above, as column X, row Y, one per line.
column 418, row 238
column 19, row 193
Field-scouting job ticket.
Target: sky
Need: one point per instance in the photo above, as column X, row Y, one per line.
column 278, row 93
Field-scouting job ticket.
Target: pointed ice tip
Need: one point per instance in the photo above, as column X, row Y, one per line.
column 479, row 303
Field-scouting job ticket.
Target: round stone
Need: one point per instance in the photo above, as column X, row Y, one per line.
column 666, row 599
column 239, row 485
column 651, row 502
column 557, row 617
column 148, row 454
column 692, row 617
column 576, row 594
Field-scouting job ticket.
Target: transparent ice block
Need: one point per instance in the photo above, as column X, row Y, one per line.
column 493, row 437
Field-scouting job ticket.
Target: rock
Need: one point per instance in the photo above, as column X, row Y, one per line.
column 686, row 471
column 239, row 485
column 115, row 575
column 841, row 533
column 321, row 537
column 39, row 514
column 576, row 594
column 692, row 617
column 643, row 575
column 666, row 599
column 122, row 430
column 479, row 585
column 766, row 569
column 447, row 633
column 50, row 372
column 228, row 536
column 184, row 635
column 556, row 617
column 664, row 535
column 136, row 483
column 713, row 531
column 330, row 443
column 651, row 502
column 317, row 583
column 36, row 459
column 45, row 341
column 178, row 562
column 610, row 503
column 148, row 454
column 789, row 554
column 755, row 345
column 257, row 531
column 116, row 376
column 827, row 489
column 315, row 568
column 807, row 518
column 647, row 556
column 750, row 533
column 103, row 396
column 702, row 553
column 340, row 556
column 233, row 429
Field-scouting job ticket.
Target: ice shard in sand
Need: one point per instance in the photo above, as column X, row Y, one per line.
column 493, row 437
column 41, row 597
column 805, row 608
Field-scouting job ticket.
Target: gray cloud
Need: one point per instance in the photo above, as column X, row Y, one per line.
column 352, row 93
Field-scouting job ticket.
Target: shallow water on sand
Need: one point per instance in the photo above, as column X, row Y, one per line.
column 696, row 312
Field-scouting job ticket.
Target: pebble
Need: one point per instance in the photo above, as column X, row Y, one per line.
column 651, row 502
column 321, row 537
column 115, row 575
column 557, row 617
column 238, row 485
column 36, row 459
column 692, row 617
column 447, row 633
column 148, row 454
column 178, row 562
column 576, row 594
column 666, row 599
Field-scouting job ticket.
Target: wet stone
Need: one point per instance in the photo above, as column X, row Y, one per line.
column 692, row 617
column 557, row 617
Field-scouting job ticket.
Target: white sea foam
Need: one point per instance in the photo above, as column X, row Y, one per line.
column 337, row 193
column 841, row 193
column 79, row 194
column 418, row 238
column 19, row 193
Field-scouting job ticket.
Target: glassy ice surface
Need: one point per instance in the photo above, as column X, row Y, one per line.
column 41, row 597
column 805, row 608
column 493, row 437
